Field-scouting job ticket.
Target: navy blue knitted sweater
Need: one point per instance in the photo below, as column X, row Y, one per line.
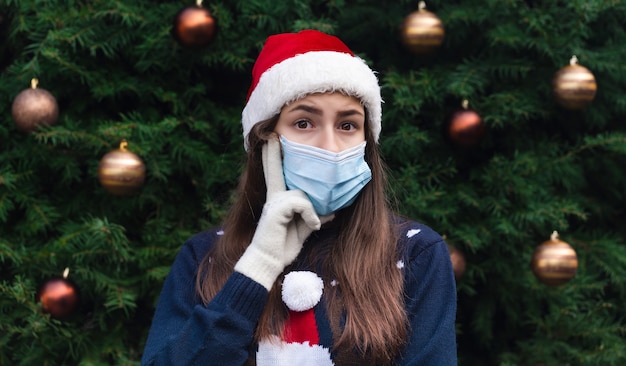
column 186, row 332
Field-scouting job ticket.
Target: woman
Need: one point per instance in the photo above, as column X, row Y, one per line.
column 310, row 267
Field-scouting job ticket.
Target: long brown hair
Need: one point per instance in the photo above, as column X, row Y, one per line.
column 362, row 259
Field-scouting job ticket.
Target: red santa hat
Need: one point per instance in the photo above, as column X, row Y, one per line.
column 294, row 65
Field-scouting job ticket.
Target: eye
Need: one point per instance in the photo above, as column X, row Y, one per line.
column 347, row 126
column 302, row 124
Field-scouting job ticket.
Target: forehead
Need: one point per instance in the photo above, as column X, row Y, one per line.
column 333, row 97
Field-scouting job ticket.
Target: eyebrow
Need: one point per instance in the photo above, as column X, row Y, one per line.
column 318, row 111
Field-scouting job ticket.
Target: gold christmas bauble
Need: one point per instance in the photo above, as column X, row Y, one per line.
column 194, row 26
column 465, row 127
column 554, row 262
column 422, row 31
column 33, row 107
column 574, row 86
column 121, row 172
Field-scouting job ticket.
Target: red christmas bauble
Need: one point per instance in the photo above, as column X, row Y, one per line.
column 466, row 127
column 458, row 262
column 59, row 297
column 194, row 26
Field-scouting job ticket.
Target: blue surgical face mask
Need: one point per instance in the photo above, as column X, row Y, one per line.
column 331, row 180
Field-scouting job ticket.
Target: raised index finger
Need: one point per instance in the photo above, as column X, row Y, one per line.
column 273, row 168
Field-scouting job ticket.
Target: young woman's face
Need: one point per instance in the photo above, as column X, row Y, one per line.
column 329, row 121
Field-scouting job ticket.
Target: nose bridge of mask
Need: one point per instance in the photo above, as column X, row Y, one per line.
column 335, row 157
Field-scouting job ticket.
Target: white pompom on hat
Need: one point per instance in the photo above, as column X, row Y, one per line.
column 294, row 65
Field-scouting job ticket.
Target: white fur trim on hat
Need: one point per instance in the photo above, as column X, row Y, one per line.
column 313, row 72
column 302, row 290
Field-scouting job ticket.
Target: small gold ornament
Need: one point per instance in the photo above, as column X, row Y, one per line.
column 422, row 31
column 121, row 172
column 574, row 86
column 466, row 127
column 194, row 26
column 33, row 107
column 554, row 262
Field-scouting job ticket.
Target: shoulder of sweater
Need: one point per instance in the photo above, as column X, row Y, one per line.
column 200, row 243
column 415, row 236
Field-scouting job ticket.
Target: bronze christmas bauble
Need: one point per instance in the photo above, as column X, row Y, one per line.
column 574, row 86
column 34, row 107
column 194, row 26
column 422, row 31
column 121, row 172
column 59, row 296
column 465, row 127
column 458, row 261
column 554, row 262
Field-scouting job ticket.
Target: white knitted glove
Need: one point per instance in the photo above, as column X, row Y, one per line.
column 288, row 218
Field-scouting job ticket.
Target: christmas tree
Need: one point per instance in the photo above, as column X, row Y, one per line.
column 119, row 74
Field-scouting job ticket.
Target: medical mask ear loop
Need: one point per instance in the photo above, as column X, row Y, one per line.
column 322, row 154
